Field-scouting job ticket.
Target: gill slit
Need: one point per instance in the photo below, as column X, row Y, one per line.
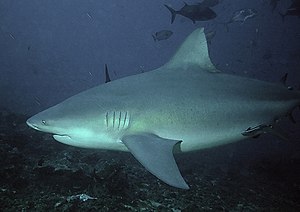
column 106, row 119
column 114, row 118
column 117, row 119
column 124, row 119
column 120, row 115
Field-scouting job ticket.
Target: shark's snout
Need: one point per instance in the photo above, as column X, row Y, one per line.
column 40, row 124
column 32, row 124
column 37, row 123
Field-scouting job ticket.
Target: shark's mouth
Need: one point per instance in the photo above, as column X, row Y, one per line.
column 62, row 138
column 32, row 126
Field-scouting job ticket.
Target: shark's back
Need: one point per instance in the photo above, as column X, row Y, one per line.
column 188, row 99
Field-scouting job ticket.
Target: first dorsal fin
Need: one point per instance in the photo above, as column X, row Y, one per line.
column 193, row 52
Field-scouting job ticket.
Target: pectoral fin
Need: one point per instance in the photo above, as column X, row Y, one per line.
column 156, row 155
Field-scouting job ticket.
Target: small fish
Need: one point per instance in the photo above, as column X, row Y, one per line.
column 197, row 12
column 12, row 36
column 80, row 197
column 88, row 15
column 241, row 16
column 162, row 35
column 293, row 10
column 256, row 131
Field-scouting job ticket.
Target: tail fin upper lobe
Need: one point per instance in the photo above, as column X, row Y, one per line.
column 173, row 13
column 282, row 16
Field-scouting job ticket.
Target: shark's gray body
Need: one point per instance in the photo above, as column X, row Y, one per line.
column 185, row 105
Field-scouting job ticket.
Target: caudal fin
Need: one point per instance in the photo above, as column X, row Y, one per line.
column 173, row 13
column 282, row 16
column 154, row 38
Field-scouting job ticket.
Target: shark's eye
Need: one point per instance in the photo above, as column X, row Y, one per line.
column 44, row 122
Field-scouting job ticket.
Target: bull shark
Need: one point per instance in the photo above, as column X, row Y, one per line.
column 185, row 105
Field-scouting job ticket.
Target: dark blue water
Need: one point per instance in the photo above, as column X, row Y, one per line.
column 50, row 50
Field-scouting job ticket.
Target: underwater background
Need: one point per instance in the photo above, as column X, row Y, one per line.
column 51, row 50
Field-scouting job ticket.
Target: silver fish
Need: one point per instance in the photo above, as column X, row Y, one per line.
column 241, row 16
column 196, row 12
column 162, row 35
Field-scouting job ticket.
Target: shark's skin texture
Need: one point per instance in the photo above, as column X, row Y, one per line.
column 187, row 103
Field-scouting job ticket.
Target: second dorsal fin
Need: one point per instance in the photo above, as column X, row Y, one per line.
column 107, row 78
